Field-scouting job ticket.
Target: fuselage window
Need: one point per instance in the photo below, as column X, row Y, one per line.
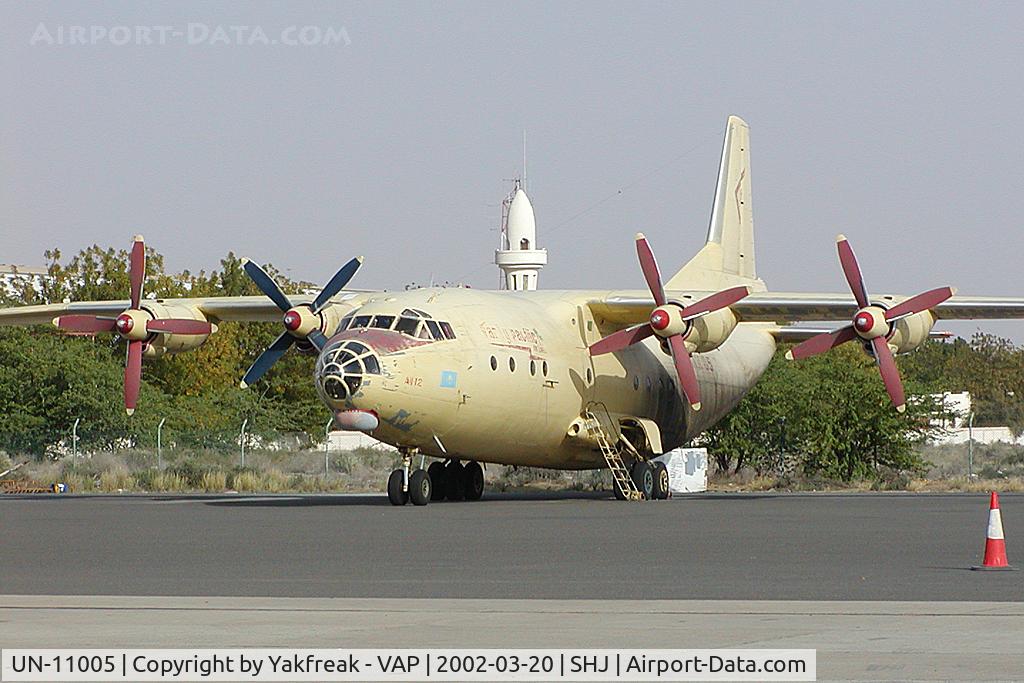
column 407, row 326
column 511, row 364
column 435, row 330
column 360, row 321
column 383, row 322
column 636, row 383
column 494, row 363
column 533, row 368
column 648, row 384
column 449, row 333
column 544, row 368
column 590, row 375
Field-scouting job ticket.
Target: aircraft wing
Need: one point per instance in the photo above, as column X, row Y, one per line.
column 785, row 307
column 216, row 309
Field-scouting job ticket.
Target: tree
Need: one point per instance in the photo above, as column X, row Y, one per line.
column 831, row 412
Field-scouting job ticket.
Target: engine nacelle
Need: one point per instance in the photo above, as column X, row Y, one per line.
column 160, row 344
column 910, row 332
column 332, row 315
column 710, row 331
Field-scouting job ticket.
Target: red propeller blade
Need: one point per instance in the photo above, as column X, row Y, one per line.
column 132, row 375
column 921, row 302
column 890, row 375
column 820, row 343
column 137, row 270
column 684, row 369
column 716, row 301
column 179, row 326
column 86, row 324
column 650, row 268
column 621, row 339
column 851, row 270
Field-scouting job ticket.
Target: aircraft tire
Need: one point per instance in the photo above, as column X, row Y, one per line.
column 395, row 493
column 473, row 480
column 643, row 478
column 420, row 487
column 661, row 480
column 437, row 480
column 454, row 477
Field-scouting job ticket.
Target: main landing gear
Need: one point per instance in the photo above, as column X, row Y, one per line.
column 650, row 479
column 451, row 480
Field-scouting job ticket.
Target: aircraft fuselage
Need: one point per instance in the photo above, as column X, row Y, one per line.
column 509, row 385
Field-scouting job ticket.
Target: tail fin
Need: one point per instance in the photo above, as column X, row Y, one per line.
column 727, row 259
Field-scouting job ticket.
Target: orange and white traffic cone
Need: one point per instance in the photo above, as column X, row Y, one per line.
column 995, row 545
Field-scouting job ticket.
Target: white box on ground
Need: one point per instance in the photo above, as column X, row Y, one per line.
column 687, row 469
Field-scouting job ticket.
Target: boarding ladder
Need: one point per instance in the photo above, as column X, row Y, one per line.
column 613, row 455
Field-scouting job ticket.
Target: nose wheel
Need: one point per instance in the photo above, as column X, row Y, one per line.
column 405, row 486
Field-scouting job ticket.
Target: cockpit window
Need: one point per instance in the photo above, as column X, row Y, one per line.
column 412, row 322
column 407, row 325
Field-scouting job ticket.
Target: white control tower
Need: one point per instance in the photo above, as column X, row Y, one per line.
column 518, row 256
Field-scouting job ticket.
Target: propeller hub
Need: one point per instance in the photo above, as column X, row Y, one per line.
column 292, row 320
column 131, row 324
column 667, row 321
column 124, row 323
column 300, row 321
column 660, row 319
column 870, row 322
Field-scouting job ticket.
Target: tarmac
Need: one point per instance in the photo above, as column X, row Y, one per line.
column 879, row 584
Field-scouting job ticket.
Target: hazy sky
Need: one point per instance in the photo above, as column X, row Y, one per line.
column 894, row 123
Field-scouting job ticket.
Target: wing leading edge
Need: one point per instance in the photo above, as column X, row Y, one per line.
column 627, row 308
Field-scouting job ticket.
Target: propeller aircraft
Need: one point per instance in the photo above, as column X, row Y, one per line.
column 572, row 379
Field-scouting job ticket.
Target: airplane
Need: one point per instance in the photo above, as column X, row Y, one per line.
column 570, row 380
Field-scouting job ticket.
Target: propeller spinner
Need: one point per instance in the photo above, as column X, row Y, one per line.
column 670, row 321
column 301, row 321
column 134, row 324
column 872, row 324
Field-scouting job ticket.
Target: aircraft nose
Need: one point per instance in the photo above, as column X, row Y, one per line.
column 342, row 369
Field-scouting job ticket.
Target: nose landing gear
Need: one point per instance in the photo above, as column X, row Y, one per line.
column 404, row 486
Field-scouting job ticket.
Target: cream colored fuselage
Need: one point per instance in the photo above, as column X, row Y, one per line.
column 509, row 386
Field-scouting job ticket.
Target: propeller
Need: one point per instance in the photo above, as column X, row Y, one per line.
column 871, row 324
column 301, row 321
column 134, row 324
column 670, row 321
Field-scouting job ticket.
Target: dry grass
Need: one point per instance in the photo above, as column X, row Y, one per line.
column 214, row 481
column 116, row 481
column 1010, row 484
column 168, row 481
column 1001, row 468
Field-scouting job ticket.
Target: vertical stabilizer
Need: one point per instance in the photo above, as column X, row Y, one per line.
column 728, row 256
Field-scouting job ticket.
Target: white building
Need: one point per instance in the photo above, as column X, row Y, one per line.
column 13, row 277
column 957, row 428
column 347, row 441
column 517, row 255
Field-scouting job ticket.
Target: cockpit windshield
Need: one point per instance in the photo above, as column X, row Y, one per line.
column 411, row 322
